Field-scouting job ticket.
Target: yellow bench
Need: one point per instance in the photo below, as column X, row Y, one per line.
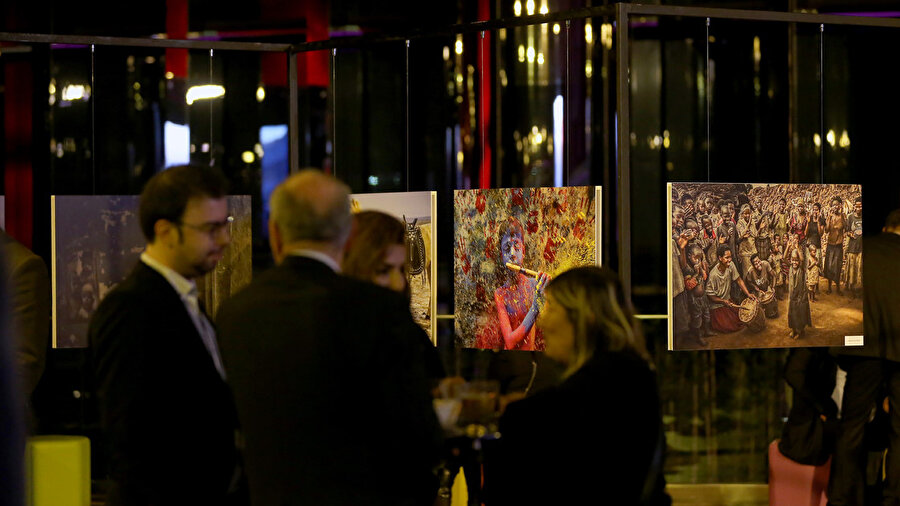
column 58, row 471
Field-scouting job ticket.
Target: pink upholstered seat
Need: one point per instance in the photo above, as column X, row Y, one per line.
column 793, row 484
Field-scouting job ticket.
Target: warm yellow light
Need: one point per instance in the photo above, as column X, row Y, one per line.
column 544, row 9
column 756, row 52
column 459, row 46
column 260, row 93
column 517, row 8
column 446, row 53
column 537, row 138
column 540, row 58
column 830, row 137
column 817, row 140
column 666, row 142
column 606, row 33
column 73, row 92
column 529, row 7
column 588, row 69
column 170, row 75
column 459, row 78
column 521, row 53
column 529, row 54
column 258, row 149
column 845, row 139
column 248, row 157
column 555, row 28
column 588, row 33
column 203, row 92
column 52, row 88
column 460, row 157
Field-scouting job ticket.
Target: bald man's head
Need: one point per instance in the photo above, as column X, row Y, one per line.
column 312, row 206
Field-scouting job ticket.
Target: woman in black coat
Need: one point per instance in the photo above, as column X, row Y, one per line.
column 597, row 436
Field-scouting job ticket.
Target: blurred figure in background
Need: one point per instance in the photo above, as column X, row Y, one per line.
column 28, row 283
column 599, row 433
column 12, row 440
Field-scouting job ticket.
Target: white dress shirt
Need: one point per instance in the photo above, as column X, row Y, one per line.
column 187, row 290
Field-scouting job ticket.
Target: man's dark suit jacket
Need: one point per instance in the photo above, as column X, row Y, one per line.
column 329, row 382
column 168, row 416
column 29, row 289
column 881, row 299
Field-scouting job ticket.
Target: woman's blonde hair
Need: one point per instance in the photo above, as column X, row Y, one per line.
column 602, row 319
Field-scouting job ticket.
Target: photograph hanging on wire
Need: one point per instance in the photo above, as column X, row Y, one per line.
column 416, row 210
column 95, row 242
column 508, row 243
column 764, row 265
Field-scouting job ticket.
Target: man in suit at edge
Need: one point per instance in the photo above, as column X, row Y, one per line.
column 873, row 372
column 28, row 283
column 167, row 413
column 327, row 372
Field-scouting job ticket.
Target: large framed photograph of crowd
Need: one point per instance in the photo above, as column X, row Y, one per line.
column 416, row 212
column 507, row 243
column 764, row 265
column 95, row 242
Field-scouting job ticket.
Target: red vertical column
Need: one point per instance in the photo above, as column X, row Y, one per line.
column 18, row 177
column 484, row 92
column 177, row 28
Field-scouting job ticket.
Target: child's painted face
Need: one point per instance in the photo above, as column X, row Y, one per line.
column 512, row 249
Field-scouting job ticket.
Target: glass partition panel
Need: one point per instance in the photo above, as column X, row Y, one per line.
column 669, row 128
column 133, row 106
column 531, row 69
column 69, row 119
column 860, row 104
column 749, row 107
column 805, row 105
column 369, row 87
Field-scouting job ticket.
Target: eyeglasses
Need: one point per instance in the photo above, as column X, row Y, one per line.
column 212, row 228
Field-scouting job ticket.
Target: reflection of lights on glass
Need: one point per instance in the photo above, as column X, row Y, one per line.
column 258, row 149
column 530, row 54
column 540, row 58
column 606, row 35
column 817, row 140
column 526, row 159
column 544, row 9
column 503, row 80
column 260, row 93
column 845, row 140
column 460, row 157
column 136, row 86
column 756, row 52
column 517, row 8
column 52, row 88
column 555, row 28
column 373, row 180
column 248, row 157
column 170, row 75
column 518, row 145
column 59, row 150
column 74, row 92
column 459, row 78
column 588, row 33
column 830, row 137
column 666, row 143
column 203, row 92
column 204, row 148
column 537, row 139
column 588, row 68
column 655, row 142
column 502, row 34
column 459, row 46
column 149, row 60
column 521, row 53
column 529, row 7
column 446, row 53
column 52, row 99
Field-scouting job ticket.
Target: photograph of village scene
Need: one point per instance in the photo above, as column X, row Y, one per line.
column 764, row 265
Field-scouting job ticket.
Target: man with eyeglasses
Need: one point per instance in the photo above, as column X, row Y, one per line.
column 168, row 416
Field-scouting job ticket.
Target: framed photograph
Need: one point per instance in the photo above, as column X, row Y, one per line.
column 764, row 265
column 97, row 240
column 504, row 239
column 417, row 211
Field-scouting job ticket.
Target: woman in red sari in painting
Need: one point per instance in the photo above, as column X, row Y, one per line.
column 518, row 300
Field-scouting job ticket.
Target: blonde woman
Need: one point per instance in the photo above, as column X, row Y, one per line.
column 597, row 434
